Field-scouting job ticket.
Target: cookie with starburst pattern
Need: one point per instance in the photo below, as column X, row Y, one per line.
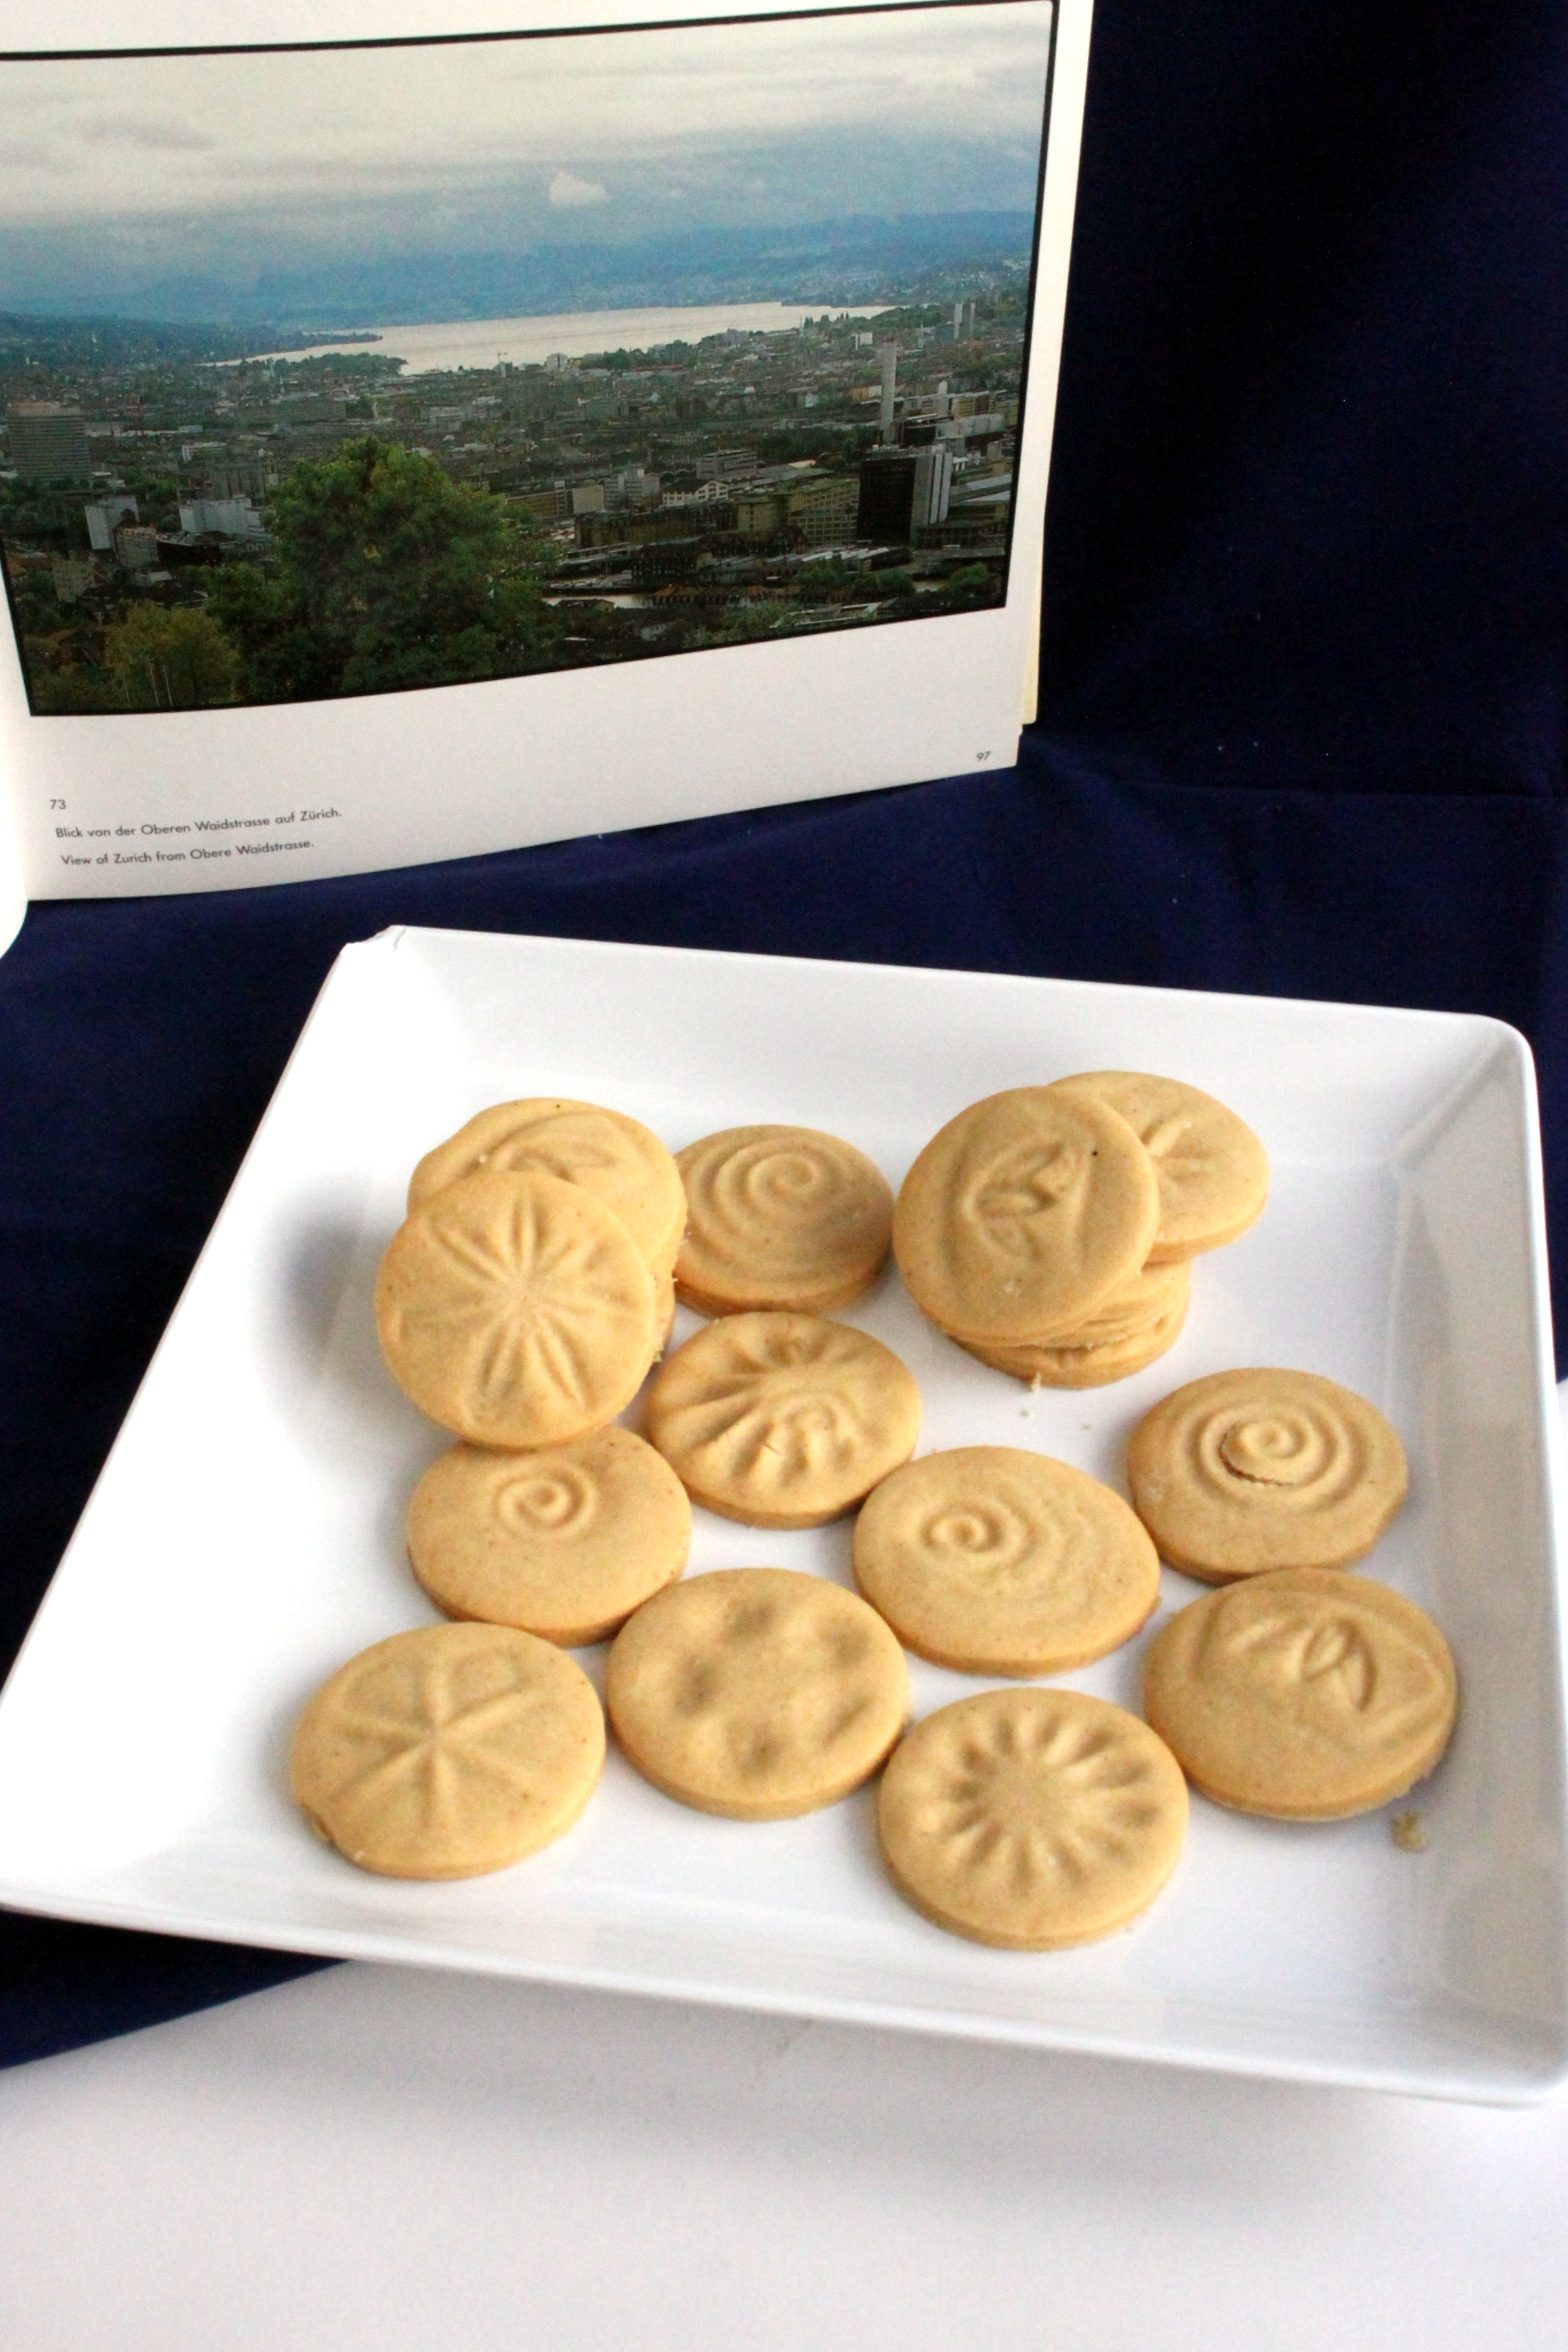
column 1032, row 1819
column 516, row 1310
column 449, row 1751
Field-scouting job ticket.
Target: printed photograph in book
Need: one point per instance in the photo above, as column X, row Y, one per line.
column 356, row 369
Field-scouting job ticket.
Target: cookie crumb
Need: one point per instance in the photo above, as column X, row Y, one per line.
column 1408, row 1834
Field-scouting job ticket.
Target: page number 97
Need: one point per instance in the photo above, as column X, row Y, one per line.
column 982, row 755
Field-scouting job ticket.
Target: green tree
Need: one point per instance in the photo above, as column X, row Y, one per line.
column 170, row 660
column 384, row 573
column 73, row 690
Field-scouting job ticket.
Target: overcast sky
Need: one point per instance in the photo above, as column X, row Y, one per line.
column 175, row 162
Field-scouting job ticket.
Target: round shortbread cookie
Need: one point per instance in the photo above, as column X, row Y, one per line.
column 1213, row 1172
column 516, row 1310
column 1068, row 1364
column 997, row 1561
column 1024, row 1214
column 1260, row 1468
column 1306, row 1695
column 616, row 1158
column 564, row 1542
column 756, row 1692
column 782, row 1420
column 1032, row 1819
column 779, row 1217
column 449, row 1751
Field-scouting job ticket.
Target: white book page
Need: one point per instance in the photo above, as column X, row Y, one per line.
column 740, row 626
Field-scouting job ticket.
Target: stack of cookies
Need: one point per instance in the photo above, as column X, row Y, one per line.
column 1049, row 1229
column 531, row 1285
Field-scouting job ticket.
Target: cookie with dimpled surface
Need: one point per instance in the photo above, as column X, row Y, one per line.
column 1025, row 1214
column 563, row 1542
column 615, row 1157
column 779, row 1217
column 1307, row 1694
column 782, row 1420
column 1261, row 1468
column 448, row 1752
column 1213, row 1171
column 758, row 1693
column 516, row 1310
column 994, row 1560
column 1031, row 1819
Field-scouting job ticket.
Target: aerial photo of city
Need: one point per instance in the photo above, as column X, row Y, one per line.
column 354, row 371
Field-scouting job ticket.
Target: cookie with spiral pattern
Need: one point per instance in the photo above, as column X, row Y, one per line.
column 1307, row 1694
column 449, row 1751
column 782, row 1420
column 994, row 1560
column 779, row 1217
column 613, row 1156
column 758, row 1693
column 1263, row 1468
column 563, row 1542
column 516, row 1310
column 1032, row 1819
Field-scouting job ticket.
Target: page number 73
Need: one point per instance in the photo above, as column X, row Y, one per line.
column 57, row 804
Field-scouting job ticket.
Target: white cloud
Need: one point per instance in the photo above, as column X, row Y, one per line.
column 567, row 190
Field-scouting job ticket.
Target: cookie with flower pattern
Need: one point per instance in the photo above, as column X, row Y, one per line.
column 516, row 1310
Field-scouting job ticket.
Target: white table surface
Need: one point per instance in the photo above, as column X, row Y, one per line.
column 381, row 2158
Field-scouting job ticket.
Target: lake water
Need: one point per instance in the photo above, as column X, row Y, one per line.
column 483, row 343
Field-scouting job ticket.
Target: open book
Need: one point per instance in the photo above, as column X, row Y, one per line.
column 430, row 429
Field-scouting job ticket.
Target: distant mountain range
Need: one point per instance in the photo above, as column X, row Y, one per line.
column 856, row 259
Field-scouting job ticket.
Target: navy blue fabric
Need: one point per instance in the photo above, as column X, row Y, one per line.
column 1302, row 727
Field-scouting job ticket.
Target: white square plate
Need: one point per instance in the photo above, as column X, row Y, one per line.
column 245, row 1536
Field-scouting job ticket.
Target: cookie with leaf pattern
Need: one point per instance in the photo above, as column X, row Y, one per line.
column 1306, row 1694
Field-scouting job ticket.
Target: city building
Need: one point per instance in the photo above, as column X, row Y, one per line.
column 48, row 442
column 136, row 546
column 72, row 576
column 228, row 518
column 887, row 358
column 103, row 517
column 902, row 490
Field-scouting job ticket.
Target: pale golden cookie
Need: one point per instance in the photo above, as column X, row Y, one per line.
column 1073, row 1362
column 997, row 1561
column 756, row 1692
column 614, row 1157
column 1031, row 1818
column 1255, row 1469
column 1213, row 1172
column 449, row 1751
column 564, row 1542
column 516, row 1310
column 782, row 1420
column 1024, row 1214
column 779, row 1217
column 1306, row 1695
